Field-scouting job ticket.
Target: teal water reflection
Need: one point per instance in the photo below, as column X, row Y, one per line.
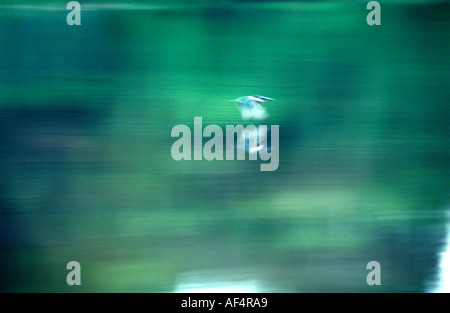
column 86, row 171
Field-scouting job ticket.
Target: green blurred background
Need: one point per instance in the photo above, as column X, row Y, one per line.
column 86, row 172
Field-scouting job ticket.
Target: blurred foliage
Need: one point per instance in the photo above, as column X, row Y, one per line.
column 85, row 166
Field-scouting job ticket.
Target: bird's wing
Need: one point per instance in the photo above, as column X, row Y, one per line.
column 255, row 98
column 262, row 99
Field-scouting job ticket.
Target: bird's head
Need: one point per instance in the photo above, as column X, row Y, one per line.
column 239, row 100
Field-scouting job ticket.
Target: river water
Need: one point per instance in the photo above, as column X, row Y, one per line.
column 86, row 172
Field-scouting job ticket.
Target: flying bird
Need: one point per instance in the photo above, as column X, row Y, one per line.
column 251, row 108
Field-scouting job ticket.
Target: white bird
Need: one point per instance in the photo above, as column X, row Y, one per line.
column 251, row 108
